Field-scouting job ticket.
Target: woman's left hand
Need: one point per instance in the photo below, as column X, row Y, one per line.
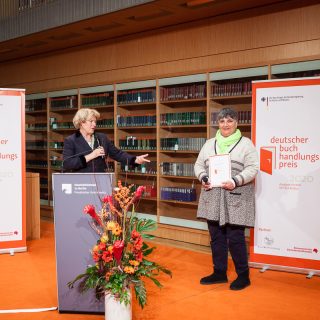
column 142, row 159
column 228, row 185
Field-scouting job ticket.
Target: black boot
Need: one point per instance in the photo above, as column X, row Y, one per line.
column 241, row 282
column 215, row 277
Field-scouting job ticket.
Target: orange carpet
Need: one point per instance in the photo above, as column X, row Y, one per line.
column 28, row 280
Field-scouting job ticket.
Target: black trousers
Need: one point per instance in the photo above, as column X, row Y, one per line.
column 228, row 237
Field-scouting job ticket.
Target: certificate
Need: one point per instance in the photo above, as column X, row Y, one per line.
column 219, row 169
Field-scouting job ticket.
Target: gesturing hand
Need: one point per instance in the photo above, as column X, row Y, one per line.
column 142, row 159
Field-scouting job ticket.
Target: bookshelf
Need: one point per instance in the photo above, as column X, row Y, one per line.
column 37, row 141
column 182, row 113
column 168, row 118
column 101, row 98
column 62, row 107
column 136, row 133
column 233, row 88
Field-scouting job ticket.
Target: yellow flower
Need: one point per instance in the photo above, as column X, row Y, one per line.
column 134, row 263
column 95, row 248
column 116, row 231
column 129, row 270
column 104, row 238
column 111, row 225
column 110, row 249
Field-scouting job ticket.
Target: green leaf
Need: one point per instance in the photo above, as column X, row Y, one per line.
column 141, row 293
column 156, row 282
column 148, row 251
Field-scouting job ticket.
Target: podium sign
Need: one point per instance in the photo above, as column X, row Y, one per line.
column 74, row 236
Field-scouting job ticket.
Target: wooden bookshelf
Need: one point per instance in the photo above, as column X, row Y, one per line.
column 168, row 118
column 233, row 88
column 136, row 126
column 37, row 141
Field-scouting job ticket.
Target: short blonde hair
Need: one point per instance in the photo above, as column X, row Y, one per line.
column 83, row 115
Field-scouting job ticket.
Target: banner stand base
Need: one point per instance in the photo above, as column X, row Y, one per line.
column 264, row 267
column 12, row 251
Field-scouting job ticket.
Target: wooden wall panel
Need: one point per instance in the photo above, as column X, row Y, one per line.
column 208, row 45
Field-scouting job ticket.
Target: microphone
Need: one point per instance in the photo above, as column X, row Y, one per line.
column 205, row 179
column 73, row 156
column 99, row 144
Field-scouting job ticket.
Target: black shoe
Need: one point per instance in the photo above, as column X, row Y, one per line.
column 216, row 277
column 241, row 282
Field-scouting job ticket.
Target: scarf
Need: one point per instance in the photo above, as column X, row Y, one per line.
column 224, row 143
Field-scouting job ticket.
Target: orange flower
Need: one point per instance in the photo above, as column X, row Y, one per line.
column 134, row 263
column 95, row 248
column 116, row 230
column 129, row 270
column 110, row 249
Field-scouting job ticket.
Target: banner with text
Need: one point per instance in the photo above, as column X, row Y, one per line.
column 12, row 170
column 286, row 135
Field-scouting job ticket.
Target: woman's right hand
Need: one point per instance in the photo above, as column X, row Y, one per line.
column 98, row 152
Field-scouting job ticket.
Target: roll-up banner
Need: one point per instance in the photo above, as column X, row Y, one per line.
column 286, row 133
column 12, row 171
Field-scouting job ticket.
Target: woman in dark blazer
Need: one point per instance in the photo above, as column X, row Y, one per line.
column 87, row 150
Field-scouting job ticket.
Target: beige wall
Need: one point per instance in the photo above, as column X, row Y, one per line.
column 209, row 45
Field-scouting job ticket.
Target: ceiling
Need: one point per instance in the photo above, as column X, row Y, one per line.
column 151, row 16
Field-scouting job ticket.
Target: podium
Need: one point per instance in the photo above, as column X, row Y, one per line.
column 74, row 236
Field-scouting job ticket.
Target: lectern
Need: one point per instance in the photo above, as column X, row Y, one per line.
column 74, row 236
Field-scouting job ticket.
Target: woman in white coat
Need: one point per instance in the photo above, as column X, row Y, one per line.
column 228, row 209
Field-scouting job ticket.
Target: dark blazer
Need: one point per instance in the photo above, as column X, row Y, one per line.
column 76, row 147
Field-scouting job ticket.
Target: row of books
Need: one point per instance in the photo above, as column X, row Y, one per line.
column 36, row 105
column 64, row 102
column 183, row 92
column 137, row 121
column 178, row 194
column 231, row 89
column 244, row 117
column 134, row 143
column 37, row 144
column 145, row 168
column 105, row 123
column 57, row 164
column 177, row 169
column 95, row 100
column 37, row 163
column 36, row 126
column 182, row 118
column 62, row 125
column 43, row 182
column 136, row 96
column 56, row 144
column 175, row 144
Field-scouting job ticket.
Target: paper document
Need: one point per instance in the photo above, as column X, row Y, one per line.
column 219, row 169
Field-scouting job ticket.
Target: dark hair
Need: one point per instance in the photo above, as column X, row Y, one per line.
column 227, row 113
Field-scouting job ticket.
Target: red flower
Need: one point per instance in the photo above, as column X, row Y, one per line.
column 96, row 256
column 107, row 199
column 117, row 250
column 135, row 234
column 91, row 211
column 139, row 192
column 138, row 244
column 107, row 256
column 138, row 256
column 102, row 246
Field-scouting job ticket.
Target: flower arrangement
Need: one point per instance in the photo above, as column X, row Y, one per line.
column 120, row 252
